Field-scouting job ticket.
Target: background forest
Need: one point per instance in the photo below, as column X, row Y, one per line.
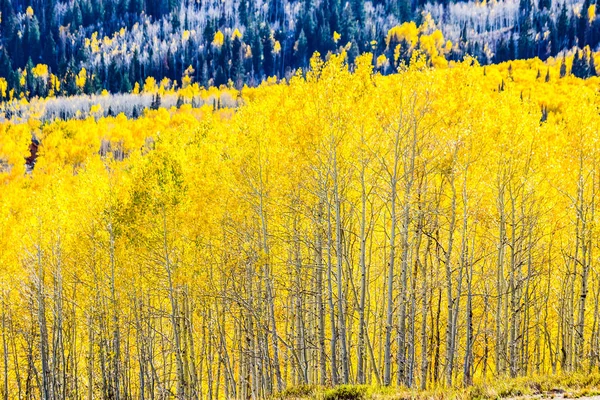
column 84, row 46
column 431, row 228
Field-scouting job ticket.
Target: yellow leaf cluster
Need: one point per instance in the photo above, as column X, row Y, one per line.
column 218, row 39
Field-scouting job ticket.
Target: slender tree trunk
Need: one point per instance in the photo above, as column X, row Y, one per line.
column 46, row 388
column 174, row 314
column 270, row 298
column 500, row 349
column 5, row 346
column 332, row 322
column 363, row 281
column 340, row 259
column 387, row 362
column 451, row 326
column 320, row 304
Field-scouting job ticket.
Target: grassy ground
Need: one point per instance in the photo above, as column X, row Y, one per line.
column 543, row 386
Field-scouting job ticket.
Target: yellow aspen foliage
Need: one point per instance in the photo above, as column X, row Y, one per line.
column 96, row 110
column 40, row 71
column 336, row 37
column 236, row 34
column 81, row 78
column 247, row 52
column 430, row 42
column 186, row 81
column 218, row 39
column 407, row 32
column 93, row 43
column 150, row 85
column 14, row 141
column 3, row 87
column 443, row 219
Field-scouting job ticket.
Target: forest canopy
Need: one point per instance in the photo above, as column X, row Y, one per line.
column 432, row 227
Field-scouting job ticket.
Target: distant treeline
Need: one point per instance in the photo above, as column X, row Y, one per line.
column 94, row 45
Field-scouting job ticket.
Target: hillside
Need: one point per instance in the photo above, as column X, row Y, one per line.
column 53, row 47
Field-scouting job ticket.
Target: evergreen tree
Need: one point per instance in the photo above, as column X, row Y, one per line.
column 358, row 10
column 89, row 87
column 563, row 67
column 525, row 40
column 77, row 15
column 268, row 60
column 555, row 41
column 156, row 102
column 301, row 50
column 243, row 12
column 349, row 25
column 175, row 22
column 29, row 80
column 276, row 10
column 136, row 6
column 582, row 24
column 562, row 27
column 87, row 13
column 50, row 53
column 220, row 77
column 512, row 48
column 592, row 66
column 502, row 52
column 99, row 11
column 115, row 76
column 576, row 66
column 572, row 31
column 237, row 62
column 545, row 4
column 32, row 39
column 69, row 86
column 5, row 63
column 581, row 64
column 585, row 65
column 122, row 7
column 126, row 86
column 135, row 73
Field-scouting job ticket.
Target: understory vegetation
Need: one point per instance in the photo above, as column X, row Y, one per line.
column 566, row 385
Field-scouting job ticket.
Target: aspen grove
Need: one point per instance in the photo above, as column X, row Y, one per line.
column 434, row 227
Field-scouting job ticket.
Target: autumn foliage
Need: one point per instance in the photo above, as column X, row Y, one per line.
column 431, row 227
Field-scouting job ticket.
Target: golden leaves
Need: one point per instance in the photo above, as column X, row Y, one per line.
column 218, row 40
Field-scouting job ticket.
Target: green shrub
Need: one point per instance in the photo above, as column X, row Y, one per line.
column 346, row 392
